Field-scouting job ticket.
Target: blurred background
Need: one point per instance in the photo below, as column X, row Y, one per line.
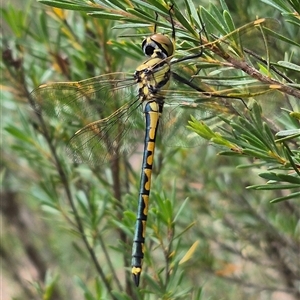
column 67, row 228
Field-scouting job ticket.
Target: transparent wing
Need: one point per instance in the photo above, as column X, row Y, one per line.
column 86, row 100
column 179, row 107
column 107, row 138
column 182, row 102
column 105, row 107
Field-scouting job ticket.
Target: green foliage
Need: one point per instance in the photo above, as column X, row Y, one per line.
column 73, row 224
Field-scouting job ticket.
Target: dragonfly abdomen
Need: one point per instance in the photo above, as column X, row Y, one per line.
column 152, row 111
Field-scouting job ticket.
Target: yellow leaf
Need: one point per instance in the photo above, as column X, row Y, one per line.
column 60, row 13
column 189, row 253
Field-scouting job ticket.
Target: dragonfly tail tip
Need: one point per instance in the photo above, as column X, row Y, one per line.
column 136, row 279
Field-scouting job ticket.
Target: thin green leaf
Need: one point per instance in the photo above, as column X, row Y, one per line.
column 229, row 21
column 289, row 65
column 288, row 197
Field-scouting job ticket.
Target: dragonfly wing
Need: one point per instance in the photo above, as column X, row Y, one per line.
column 107, row 138
column 180, row 105
column 173, row 131
column 87, row 100
column 105, row 107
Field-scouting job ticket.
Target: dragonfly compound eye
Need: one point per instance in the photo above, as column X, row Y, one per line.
column 158, row 43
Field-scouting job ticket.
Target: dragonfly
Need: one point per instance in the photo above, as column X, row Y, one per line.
column 154, row 94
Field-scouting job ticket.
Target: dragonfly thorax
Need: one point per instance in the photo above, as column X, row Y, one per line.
column 153, row 76
column 158, row 43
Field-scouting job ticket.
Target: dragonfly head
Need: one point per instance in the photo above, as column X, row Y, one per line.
column 158, row 45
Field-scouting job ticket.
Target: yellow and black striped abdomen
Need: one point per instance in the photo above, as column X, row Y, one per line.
column 152, row 112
